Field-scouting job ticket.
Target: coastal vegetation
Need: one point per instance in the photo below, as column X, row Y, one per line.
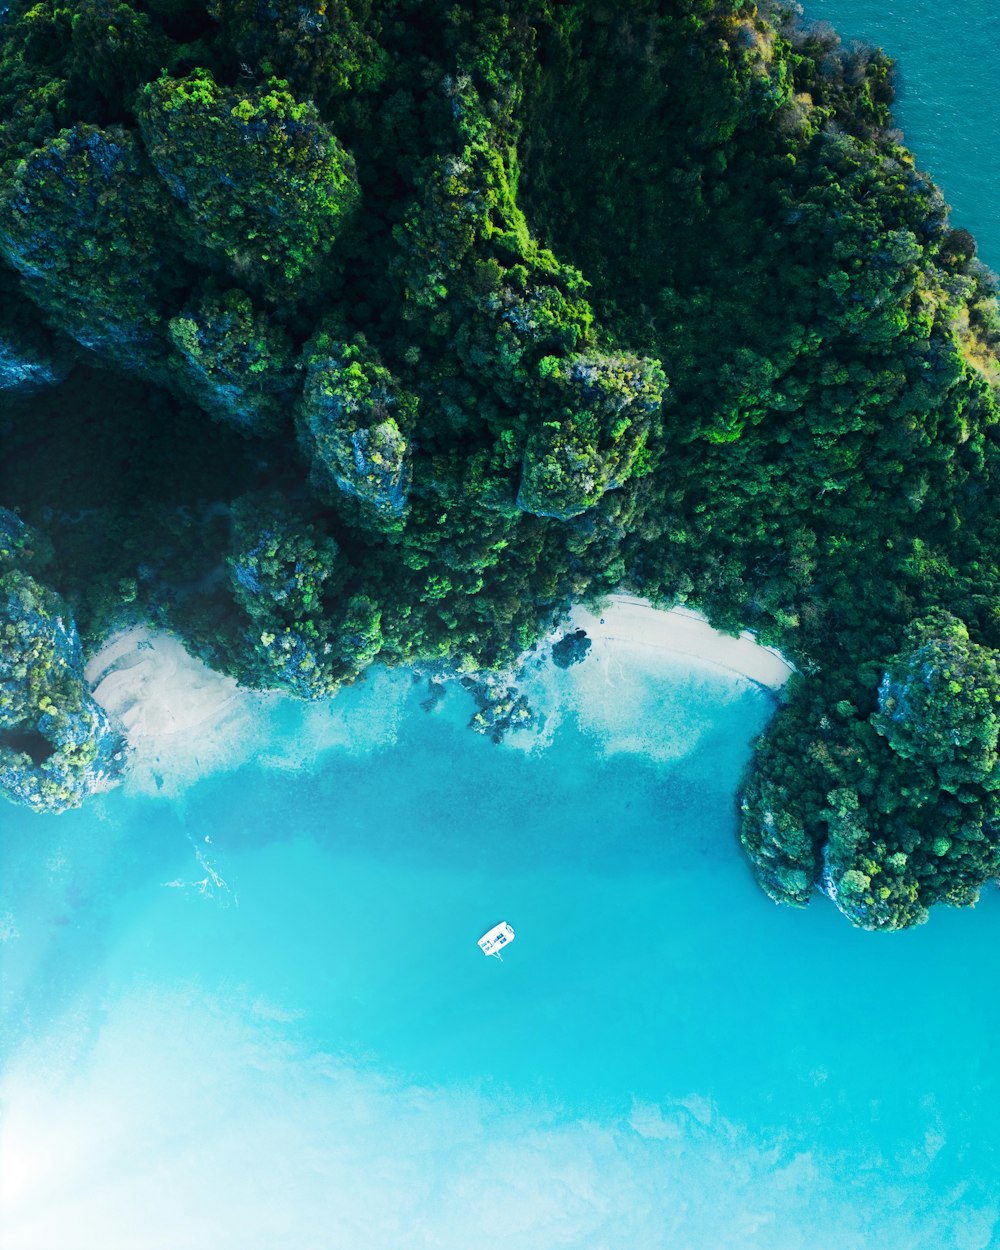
column 342, row 332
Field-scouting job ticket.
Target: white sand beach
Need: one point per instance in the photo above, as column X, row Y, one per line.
column 173, row 707
column 150, row 683
column 185, row 721
column 683, row 632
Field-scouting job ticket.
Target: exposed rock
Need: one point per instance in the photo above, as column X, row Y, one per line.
column 234, row 361
column 79, row 222
column 57, row 745
column 602, row 406
column 31, row 356
column 570, row 649
column 501, row 708
column 352, row 419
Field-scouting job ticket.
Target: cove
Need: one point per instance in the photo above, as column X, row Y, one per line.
column 253, row 1010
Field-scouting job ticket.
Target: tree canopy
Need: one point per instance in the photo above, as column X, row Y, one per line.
column 334, row 332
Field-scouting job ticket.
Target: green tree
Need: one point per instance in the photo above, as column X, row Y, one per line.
column 80, row 221
column 261, row 179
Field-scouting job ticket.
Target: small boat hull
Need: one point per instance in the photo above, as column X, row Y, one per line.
column 493, row 942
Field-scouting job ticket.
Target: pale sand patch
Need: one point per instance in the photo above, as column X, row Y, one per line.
column 177, row 712
column 184, row 721
column 156, row 689
column 682, row 632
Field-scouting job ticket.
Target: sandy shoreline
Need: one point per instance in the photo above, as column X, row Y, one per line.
column 150, row 683
column 177, row 712
column 682, row 632
column 184, row 720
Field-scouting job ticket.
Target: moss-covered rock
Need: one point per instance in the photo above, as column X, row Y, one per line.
column 939, row 704
column 308, row 631
column 56, row 743
column 355, row 420
column 261, row 180
column 80, row 222
column 234, row 361
column 599, row 414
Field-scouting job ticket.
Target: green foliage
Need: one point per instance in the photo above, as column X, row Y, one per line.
column 323, row 48
column 34, row 42
column 938, row 704
column 601, row 409
column 79, row 221
column 21, row 545
column 895, row 812
column 549, row 209
column 56, row 745
column 260, row 178
column 234, row 360
column 354, row 420
column 115, row 47
column 308, row 634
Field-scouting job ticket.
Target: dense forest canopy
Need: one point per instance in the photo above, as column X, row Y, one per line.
column 342, row 332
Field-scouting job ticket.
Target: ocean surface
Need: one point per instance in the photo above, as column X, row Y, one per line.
column 947, row 57
column 250, row 1011
column 245, row 1008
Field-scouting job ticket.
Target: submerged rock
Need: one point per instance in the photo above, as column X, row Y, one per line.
column 571, row 649
column 26, row 366
column 501, row 708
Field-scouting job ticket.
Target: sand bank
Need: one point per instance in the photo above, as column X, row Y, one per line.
column 175, row 710
column 184, row 721
column 683, row 632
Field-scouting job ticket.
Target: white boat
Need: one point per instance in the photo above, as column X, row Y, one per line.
column 493, row 942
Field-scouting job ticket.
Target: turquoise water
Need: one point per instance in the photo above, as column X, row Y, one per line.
column 948, row 66
column 254, row 1013
column 249, row 1011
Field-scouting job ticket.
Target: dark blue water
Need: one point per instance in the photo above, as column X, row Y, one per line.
column 948, row 66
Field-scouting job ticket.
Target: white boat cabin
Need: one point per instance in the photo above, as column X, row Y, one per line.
column 493, row 942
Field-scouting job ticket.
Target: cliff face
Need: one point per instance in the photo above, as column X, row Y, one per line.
column 31, row 355
column 57, row 744
column 403, row 325
column 28, row 363
column 350, row 420
column 78, row 222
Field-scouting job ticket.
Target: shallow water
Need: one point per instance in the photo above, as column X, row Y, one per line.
column 255, row 1013
column 250, row 1011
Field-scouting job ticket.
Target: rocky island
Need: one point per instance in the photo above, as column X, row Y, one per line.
column 385, row 331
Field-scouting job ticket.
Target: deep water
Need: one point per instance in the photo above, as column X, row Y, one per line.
column 948, row 66
column 254, row 1013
